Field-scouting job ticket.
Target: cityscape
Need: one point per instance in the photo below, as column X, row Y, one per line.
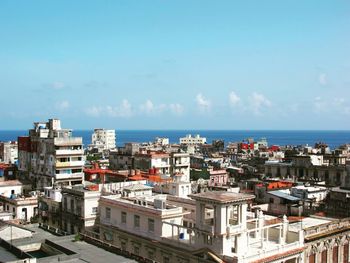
column 194, row 131
column 189, row 201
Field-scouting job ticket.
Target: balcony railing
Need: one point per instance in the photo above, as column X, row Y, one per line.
column 70, row 152
column 68, row 176
column 69, row 164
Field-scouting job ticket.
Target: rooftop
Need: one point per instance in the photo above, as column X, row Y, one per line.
column 10, row 183
column 284, row 195
column 137, row 187
column 222, row 197
column 84, row 252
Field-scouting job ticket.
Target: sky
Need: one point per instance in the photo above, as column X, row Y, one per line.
column 165, row 64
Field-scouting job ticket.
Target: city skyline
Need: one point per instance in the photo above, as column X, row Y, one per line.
column 176, row 65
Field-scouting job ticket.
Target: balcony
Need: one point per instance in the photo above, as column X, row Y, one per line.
column 68, row 176
column 161, row 165
column 70, row 152
column 68, row 141
column 69, row 164
column 182, row 164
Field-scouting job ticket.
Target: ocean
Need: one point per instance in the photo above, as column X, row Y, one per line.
column 332, row 138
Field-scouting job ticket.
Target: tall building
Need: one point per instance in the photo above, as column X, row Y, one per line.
column 191, row 140
column 8, row 152
column 103, row 139
column 51, row 155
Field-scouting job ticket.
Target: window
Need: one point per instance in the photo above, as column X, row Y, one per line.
column 123, row 219
column 94, row 210
column 108, row 213
column 346, row 252
column 72, row 205
column 136, row 221
column 150, row 225
column 335, row 254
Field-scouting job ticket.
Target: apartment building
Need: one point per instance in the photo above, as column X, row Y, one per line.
column 8, row 152
column 153, row 228
column 22, row 207
column 180, row 165
column 123, row 158
column 103, row 139
column 51, row 155
column 307, row 168
column 79, row 207
column 153, row 160
column 192, row 140
column 50, row 207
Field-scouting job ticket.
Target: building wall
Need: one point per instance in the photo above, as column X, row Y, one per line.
column 51, row 155
column 104, row 138
column 24, row 211
column 10, row 189
column 332, row 249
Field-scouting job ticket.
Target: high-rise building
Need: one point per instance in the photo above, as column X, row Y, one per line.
column 8, row 152
column 103, row 139
column 51, row 155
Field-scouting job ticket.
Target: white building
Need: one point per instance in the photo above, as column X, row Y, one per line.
column 8, row 152
column 153, row 160
column 192, row 140
column 153, row 228
column 51, row 154
column 21, row 207
column 11, row 188
column 161, row 141
column 180, row 165
column 313, row 193
column 103, row 139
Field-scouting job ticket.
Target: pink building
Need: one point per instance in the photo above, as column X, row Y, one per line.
column 218, row 178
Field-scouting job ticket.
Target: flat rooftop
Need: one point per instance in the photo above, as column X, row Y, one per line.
column 85, row 252
column 222, row 197
column 308, row 222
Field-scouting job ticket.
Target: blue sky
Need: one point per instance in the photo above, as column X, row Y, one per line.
column 176, row 64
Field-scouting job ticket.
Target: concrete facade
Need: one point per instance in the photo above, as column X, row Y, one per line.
column 51, row 155
column 103, row 139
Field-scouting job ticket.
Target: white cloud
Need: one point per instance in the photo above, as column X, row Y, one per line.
column 203, row 103
column 176, row 109
column 258, row 102
column 234, row 99
column 124, row 110
column 94, row 111
column 62, row 105
column 322, row 79
column 150, row 108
